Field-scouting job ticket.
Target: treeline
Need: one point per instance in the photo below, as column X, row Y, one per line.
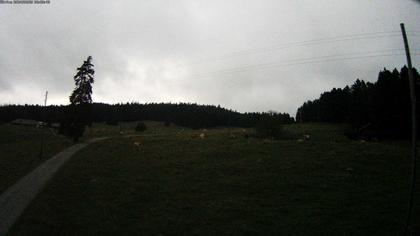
column 373, row 110
column 184, row 114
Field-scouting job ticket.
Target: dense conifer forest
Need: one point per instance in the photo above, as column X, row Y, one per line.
column 373, row 110
column 184, row 114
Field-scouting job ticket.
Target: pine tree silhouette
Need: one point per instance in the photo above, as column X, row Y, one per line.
column 81, row 100
column 84, row 80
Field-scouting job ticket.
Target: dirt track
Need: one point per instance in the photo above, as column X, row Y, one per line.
column 16, row 198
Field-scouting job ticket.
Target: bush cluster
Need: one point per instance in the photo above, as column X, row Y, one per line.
column 140, row 127
column 270, row 128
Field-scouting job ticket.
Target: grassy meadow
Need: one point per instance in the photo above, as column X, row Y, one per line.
column 20, row 150
column 177, row 183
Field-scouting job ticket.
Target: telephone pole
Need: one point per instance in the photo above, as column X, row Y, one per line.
column 41, row 151
column 408, row 228
column 45, row 100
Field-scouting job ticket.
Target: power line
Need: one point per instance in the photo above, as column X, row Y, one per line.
column 283, row 46
column 307, row 62
column 303, row 61
column 328, row 40
column 300, row 60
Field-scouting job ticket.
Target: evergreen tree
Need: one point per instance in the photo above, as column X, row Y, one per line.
column 80, row 102
column 83, row 80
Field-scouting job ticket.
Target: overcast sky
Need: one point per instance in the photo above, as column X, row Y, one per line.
column 247, row 55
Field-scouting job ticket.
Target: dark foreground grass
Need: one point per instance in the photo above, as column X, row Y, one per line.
column 224, row 184
column 20, row 148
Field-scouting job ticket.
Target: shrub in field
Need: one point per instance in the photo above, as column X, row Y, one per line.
column 140, row 127
column 365, row 132
column 271, row 128
column 71, row 130
column 111, row 122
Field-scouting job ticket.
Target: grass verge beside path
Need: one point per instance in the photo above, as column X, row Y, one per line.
column 20, row 148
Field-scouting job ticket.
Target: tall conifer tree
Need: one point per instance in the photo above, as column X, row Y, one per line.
column 80, row 102
column 84, row 79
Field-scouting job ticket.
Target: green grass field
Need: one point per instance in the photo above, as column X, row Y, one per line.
column 225, row 184
column 20, row 148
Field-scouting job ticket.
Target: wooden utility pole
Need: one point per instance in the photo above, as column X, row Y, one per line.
column 46, row 97
column 41, row 151
column 413, row 131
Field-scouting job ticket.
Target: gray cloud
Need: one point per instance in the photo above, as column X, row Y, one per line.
column 161, row 51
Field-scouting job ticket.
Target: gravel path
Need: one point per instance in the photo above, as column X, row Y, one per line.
column 17, row 197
